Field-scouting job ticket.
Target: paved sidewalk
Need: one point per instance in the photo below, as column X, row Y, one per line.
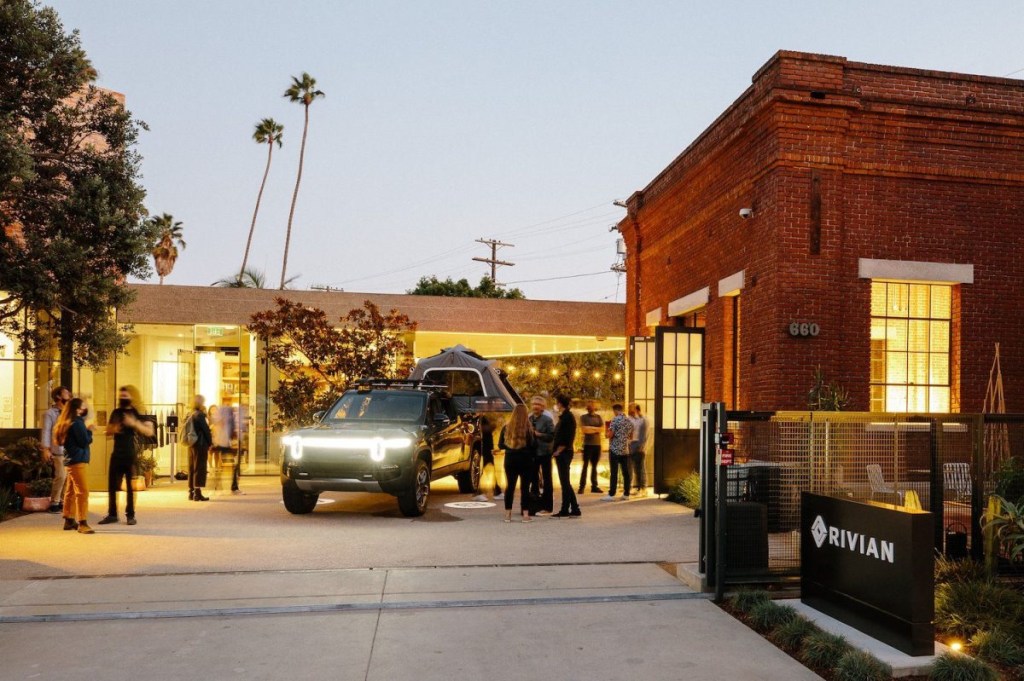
column 571, row 622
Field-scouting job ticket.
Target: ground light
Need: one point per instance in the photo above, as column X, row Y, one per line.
column 956, row 646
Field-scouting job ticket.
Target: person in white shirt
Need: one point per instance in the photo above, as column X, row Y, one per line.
column 638, row 449
column 52, row 451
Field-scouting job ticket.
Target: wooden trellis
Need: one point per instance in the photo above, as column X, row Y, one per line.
column 997, row 438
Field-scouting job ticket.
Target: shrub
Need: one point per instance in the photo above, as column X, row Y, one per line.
column 965, row 608
column 7, row 497
column 769, row 615
column 949, row 570
column 823, row 650
column 957, row 667
column 746, row 599
column 791, row 635
column 857, row 665
column 999, row 646
column 1009, row 480
column 686, row 491
column 1008, row 528
column 40, row 487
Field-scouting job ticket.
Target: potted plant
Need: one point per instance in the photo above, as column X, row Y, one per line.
column 21, row 463
column 145, row 467
column 38, row 497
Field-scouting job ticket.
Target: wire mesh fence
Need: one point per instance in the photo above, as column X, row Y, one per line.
column 948, row 464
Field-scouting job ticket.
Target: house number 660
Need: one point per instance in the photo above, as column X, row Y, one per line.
column 804, row 329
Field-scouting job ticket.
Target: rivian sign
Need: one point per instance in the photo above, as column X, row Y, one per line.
column 871, row 566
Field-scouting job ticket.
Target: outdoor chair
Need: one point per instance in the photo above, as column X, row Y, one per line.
column 878, row 483
column 956, row 478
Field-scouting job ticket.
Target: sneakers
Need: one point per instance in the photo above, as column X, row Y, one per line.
column 108, row 520
column 576, row 514
column 560, row 514
column 541, row 514
column 70, row 524
column 499, row 497
column 237, row 491
column 527, row 519
column 83, row 528
column 131, row 520
column 607, row 497
column 625, row 497
column 480, row 497
column 579, row 491
column 596, row 490
column 55, row 508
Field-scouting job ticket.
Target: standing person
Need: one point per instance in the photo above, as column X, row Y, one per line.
column 71, row 433
column 638, row 449
column 517, row 441
column 198, row 452
column 487, row 453
column 620, row 428
column 222, row 427
column 124, row 425
column 52, row 451
column 564, row 444
column 592, row 426
column 542, row 486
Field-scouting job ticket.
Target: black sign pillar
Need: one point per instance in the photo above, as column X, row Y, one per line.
column 870, row 565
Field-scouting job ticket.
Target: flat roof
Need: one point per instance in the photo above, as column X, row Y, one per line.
column 167, row 304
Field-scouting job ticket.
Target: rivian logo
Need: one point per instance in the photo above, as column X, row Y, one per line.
column 854, row 542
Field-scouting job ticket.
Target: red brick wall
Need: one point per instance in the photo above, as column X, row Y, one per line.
column 907, row 165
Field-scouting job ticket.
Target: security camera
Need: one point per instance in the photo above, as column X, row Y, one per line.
column 746, row 213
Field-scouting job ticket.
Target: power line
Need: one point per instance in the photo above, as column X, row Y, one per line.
column 493, row 260
column 554, row 279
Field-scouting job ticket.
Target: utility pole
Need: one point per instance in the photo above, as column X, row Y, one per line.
column 493, row 260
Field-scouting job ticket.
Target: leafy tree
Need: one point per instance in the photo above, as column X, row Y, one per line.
column 581, row 376
column 432, row 286
column 318, row 360
column 250, row 277
column 169, row 238
column 71, row 206
column 302, row 91
column 269, row 132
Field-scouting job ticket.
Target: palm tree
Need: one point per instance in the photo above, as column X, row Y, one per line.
column 249, row 278
column 302, row 91
column 268, row 131
column 165, row 251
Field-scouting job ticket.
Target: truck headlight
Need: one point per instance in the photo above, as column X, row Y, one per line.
column 293, row 443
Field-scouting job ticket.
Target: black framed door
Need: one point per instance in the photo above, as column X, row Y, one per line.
column 678, row 392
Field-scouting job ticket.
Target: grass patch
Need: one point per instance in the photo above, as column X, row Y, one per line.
column 746, row 599
column 956, row 667
column 948, row 571
column 823, row 650
column 857, row 665
column 686, row 491
column 999, row 646
column 768, row 616
column 791, row 635
column 964, row 609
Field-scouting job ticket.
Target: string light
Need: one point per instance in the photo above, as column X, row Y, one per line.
column 510, row 369
column 597, row 374
column 618, row 377
column 576, row 374
column 533, row 371
column 554, row 373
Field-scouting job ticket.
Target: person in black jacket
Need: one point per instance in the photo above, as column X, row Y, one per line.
column 520, row 465
column 564, row 444
column 71, row 433
column 125, row 426
column 199, row 453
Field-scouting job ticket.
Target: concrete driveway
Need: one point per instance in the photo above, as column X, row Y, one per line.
column 239, row 588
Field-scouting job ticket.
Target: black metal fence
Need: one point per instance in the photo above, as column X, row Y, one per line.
column 943, row 463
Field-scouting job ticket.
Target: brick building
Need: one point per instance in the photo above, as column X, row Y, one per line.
column 884, row 231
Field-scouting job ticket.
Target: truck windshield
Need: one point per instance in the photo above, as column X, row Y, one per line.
column 378, row 406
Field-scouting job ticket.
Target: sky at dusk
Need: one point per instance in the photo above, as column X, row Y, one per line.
column 445, row 122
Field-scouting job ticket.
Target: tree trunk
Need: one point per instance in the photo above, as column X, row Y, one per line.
column 295, row 195
column 67, row 351
column 259, row 197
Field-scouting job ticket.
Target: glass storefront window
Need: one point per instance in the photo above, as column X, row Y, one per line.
column 910, row 347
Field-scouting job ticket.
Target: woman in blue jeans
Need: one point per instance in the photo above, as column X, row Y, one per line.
column 519, row 445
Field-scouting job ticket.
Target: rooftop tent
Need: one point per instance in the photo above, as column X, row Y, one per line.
column 474, row 382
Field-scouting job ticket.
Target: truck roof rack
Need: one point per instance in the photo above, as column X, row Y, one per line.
column 370, row 383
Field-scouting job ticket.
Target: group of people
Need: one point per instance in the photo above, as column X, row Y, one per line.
column 66, row 442
column 205, row 432
column 535, row 440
